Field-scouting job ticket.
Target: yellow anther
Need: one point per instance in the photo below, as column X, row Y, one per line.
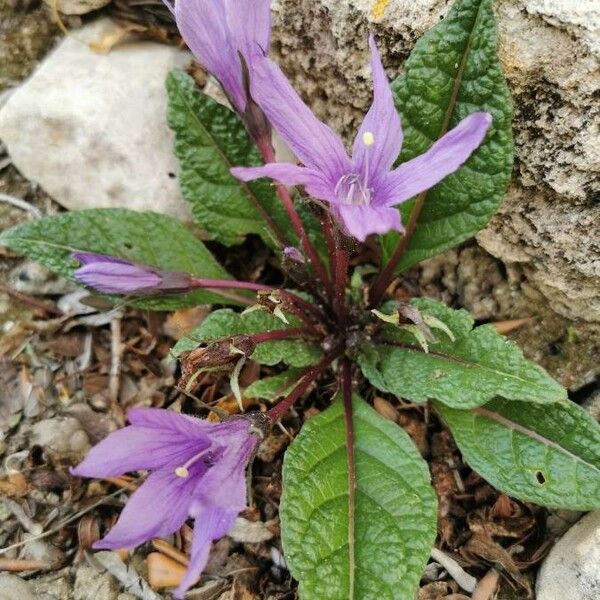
column 368, row 138
column 181, row 472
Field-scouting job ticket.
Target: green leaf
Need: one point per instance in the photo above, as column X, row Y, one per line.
column 147, row 238
column 225, row 322
column 549, row 455
column 209, row 140
column 395, row 509
column 274, row 387
column 467, row 372
column 452, row 72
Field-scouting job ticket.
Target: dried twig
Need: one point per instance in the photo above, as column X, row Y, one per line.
column 487, row 586
column 465, row 581
column 14, row 201
column 16, row 565
column 116, row 352
column 24, row 299
column 15, row 508
column 62, row 524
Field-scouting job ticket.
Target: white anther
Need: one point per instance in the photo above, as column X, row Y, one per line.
column 368, row 138
column 181, row 472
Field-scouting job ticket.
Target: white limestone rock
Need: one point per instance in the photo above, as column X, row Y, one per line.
column 550, row 52
column 77, row 7
column 572, row 569
column 91, row 128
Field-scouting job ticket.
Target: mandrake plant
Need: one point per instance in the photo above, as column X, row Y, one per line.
column 427, row 169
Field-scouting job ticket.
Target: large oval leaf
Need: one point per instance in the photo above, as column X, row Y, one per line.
column 549, row 455
column 452, row 72
column 147, row 238
column 478, row 365
column 209, row 140
column 394, row 518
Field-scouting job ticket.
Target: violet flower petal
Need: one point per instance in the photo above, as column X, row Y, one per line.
column 313, row 142
column 382, row 122
column 361, row 221
column 158, row 508
column 138, row 449
column 115, row 276
column 205, row 29
column 444, row 157
column 250, row 25
column 86, row 258
column 211, row 524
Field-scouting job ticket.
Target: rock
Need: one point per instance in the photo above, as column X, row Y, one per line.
column 61, row 435
column 53, row 586
column 32, row 278
column 91, row 128
column 571, row 570
column 77, row 7
column 40, row 550
column 90, row 583
column 13, row 587
column 550, row 53
column 592, row 405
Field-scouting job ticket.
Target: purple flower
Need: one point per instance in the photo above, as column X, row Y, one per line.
column 111, row 275
column 196, row 468
column 363, row 190
column 218, row 31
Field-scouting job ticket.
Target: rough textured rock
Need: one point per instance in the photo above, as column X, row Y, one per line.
column 91, row 128
column 571, row 569
column 63, row 436
column 77, row 7
column 90, row 583
column 12, row 587
column 550, row 52
column 492, row 291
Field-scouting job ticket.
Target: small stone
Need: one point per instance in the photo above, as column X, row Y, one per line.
column 77, row 7
column 61, row 435
column 252, row 532
column 571, row 570
column 13, row 587
column 90, row 583
column 592, row 405
column 101, row 118
column 32, row 278
column 36, row 549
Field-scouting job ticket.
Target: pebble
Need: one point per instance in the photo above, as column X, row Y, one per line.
column 91, row 128
column 77, row 7
column 13, row 588
column 61, row 435
column 572, row 569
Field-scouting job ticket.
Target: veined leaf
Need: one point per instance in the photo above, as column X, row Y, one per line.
column 148, row 238
column 454, row 71
column 395, row 509
column 225, row 322
column 274, row 387
column 209, row 140
column 478, row 365
column 549, row 455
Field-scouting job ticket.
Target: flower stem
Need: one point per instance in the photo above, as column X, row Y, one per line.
column 347, row 398
column 341, row 279
column 275, row 413
column 269, row 156
column 387, row 275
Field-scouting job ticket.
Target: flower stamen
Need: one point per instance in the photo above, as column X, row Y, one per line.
column 183, row 470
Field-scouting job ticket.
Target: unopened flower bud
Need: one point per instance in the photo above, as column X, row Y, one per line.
column 112, row 275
